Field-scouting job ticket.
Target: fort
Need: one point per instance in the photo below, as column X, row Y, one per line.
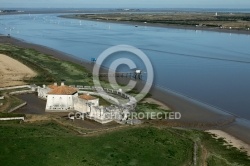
column 84, row 100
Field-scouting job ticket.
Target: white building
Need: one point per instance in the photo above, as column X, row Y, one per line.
column 60, row 98
column 84, row 103
column 64, row 98
column 43, row 91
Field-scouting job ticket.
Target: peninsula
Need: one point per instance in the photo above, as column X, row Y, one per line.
column 224, row 22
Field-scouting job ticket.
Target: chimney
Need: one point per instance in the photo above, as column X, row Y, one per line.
column 62, row 84
column 55, row 84
column 44, row 86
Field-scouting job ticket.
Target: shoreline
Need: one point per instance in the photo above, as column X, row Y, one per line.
column 230, row 140
column 194, row 113
column 69, row 14
column 168, row 26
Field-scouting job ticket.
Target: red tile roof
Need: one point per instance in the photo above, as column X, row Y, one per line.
column 52, row 86
column 87, row 97
column 63, row 90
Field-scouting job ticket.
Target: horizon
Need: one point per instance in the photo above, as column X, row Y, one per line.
column 121, row 8
column 232, row 4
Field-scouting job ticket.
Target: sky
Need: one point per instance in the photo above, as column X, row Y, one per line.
column 125, row 4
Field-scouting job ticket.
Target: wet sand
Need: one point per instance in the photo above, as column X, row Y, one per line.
column 231, row 140
column 194, row 113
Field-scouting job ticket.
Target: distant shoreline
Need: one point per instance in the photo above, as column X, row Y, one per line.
column 70, row 14
column 160, row 25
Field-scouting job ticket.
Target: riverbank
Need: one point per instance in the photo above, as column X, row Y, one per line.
column 231, row 140
column 187, row 21
column 194, row 114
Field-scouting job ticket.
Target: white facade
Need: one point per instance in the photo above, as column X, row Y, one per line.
column 83, row 105
column 60, row 102
column 63, row 98
column 107, row 114
column 43, row 92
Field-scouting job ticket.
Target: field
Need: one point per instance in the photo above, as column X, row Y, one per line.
column 48, row 68
column 222, row 20
column 13, row 72
column 48, row 143
column 9, row 101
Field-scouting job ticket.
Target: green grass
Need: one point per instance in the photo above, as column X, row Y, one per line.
column 49, row 69
column 9, row 115
column 217, row 160
column 219, row 154
column 14, row 102
column 223, row 154
column 50, row 144
column 148, row 108
column 239, row 21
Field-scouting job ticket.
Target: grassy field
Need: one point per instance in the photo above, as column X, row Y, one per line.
column 151, row 109
column 49, row 69
column 50, row 144
column 221, row 154
column 9, row 115
column 239, row 21
column 9, row 102
column 47, row 143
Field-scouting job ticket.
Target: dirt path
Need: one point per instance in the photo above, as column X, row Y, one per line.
column 204, row 156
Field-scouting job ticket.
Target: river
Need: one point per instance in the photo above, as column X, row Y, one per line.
column 211, row 67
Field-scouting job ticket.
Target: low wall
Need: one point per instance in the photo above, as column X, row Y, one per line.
column 16, row 108
column 13, row 118
column 21, row 92
column 55, row 110
column 1, row 97
column 132, row 100
column 16, row 87
column 100, row 121
column 100, row 94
